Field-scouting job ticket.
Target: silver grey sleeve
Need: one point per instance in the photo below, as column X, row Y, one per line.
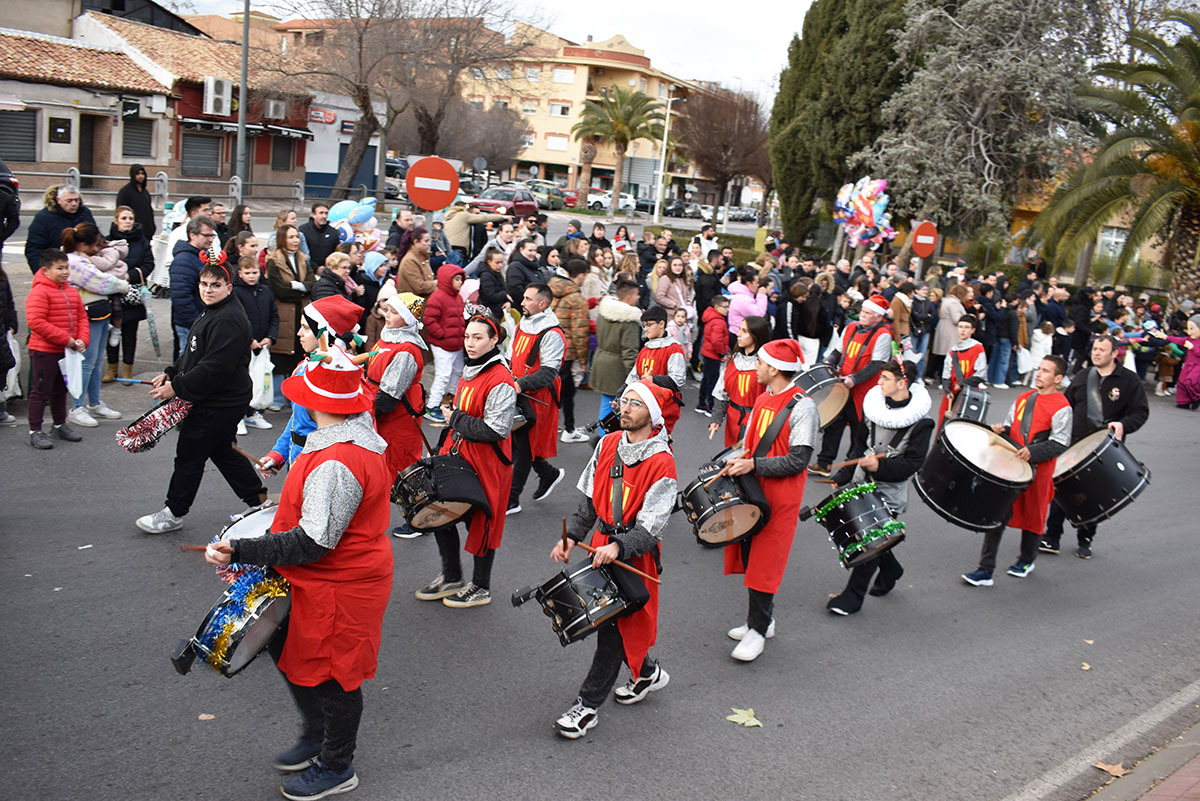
column 882, row 351
column 657, row 506
column 981, row 364
column 500, row 408
column 805, row 423
column 1060, row 427
column 551, row 351
column 1012, row 415
column 677, row 369
column 585, row 478
column 719, row 390
column 398, row 376
column 948, row 365
column 331, row 497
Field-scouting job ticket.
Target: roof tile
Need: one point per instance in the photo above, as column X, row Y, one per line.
column 50, row 59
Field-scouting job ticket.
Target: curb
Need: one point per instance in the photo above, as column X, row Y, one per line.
column 1153, row 769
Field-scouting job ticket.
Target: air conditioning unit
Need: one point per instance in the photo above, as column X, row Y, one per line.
column 276, row 110
column 158, row 104
column 218, row 96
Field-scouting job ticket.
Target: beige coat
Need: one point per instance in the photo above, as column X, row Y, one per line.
column 458, row 224
column 288, row 300
column 415, row 275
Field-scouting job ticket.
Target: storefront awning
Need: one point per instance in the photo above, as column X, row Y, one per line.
column 292, row 133
column 193, row 124
column 11, row 102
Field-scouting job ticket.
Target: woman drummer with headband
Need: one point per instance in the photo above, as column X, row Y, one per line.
column 738, row 387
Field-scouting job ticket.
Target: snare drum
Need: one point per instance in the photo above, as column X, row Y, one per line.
column 859, row 524
column 971, row 403
column 438, row 491
column 248, row 525
column 578, row 600
column 825, row 387
column 972, row 476
column 1097, row 477
column 730, row 509
column 241, row 624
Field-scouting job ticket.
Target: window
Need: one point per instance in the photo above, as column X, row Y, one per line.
column 476, row 101
column 556, row 142
column 500, row 102
column 526, row 141
column 529, row 107
column 201, row 154
column 137, row 138
column 504, row 73
column 1112, row 240
column 564, row 75
column 642, row 85
column 533, row 74
column 281, row 153
column 498, row 194
column 559, row 109
column 477, row 73
column 662, row 89
column 18, row 135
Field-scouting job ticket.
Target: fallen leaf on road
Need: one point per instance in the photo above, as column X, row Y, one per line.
column 1086, row 666
column 1089, row 642
column 1117, row 770
column 83, row 547
column 744, row 717
column 58, row 589
column 206, row 716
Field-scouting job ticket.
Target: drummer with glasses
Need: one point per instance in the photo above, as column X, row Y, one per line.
column 1106, row 395
column 1039, row 424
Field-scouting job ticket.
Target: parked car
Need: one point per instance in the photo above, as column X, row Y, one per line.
column 467, row 186
column 693, row 211
column 603, row 200
column 517, row 201
column 572, row 198
column 547, row 194
column 674, row 208
column 645, row 204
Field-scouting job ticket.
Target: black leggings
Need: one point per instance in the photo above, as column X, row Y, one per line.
column 128, row 346
column 448, row 549
column 606, row 665
column 566, row 393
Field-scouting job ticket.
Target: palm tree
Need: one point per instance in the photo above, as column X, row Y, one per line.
column 1146, row 169
column 621, row 116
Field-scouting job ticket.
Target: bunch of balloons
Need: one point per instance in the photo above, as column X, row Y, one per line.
column 355, row 219
column 862, row 209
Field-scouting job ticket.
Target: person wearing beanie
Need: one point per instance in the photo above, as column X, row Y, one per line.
column 631, row 476
column 574, row 231
column 780, row 439
column 866, row 346
column 965, row 365
column 393, row 381
column 329, row 540
column 481, row 421
column 661, row 355
column 894, row 426
column 213, row 374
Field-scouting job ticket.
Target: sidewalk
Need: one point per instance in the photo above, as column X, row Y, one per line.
column 1170, row 774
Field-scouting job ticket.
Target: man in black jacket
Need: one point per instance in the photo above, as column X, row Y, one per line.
column 62, row 209
column 10, row 216
column 523, row 269
column 136, row 195
column 322, row 237
column 1123, row 409
column 213, row 375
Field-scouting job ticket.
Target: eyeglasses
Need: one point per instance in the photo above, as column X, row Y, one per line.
column 632, row 403
column 209, row 235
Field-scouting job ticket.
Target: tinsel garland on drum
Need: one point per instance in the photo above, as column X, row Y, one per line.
column 144, row 433
column 889, row 529
column 253, row 585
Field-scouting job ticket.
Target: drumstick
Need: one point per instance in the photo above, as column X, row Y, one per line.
column 428, row 447
column 711, row 431
column 132, row 381
column 535, row 400
column 619, row 563
column 724, row 469
column 239, row 449
column 565, row 546
column 183, row 547
column 856, row 461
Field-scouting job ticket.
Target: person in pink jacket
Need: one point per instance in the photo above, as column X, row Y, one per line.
column 746, row 299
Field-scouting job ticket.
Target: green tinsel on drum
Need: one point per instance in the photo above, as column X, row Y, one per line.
column 848, row 494
column 888, row 529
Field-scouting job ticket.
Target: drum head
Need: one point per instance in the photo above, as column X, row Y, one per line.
column 254, row 525
column 728, row 523
column 830, row 400
column 1080, row 451
column 987, row 451
column 438, row 514
column 268, row 617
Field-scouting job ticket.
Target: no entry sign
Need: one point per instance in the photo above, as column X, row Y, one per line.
column 925, row 237
column 432, row 183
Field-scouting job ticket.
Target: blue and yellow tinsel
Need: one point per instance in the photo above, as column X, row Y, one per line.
column 252, row 585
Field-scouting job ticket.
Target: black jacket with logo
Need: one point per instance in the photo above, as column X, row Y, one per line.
column 214, row 368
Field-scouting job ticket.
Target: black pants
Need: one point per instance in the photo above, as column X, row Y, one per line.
column 566, row 393
column 328, row 713
column 699, row 341
column 762, row 609
column 851, row 599
column 606, row 665
column 1054, row 527
column 991, row 548
column 831, row 439
column 207, row 434
column 523, row 459
column 128, row 346
column 448, row 549
column 708, row 382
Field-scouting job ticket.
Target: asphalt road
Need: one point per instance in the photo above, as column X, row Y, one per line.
column 939, row 691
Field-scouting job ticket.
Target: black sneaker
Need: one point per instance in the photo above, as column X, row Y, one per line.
column 1049, row 546
column 547, row 484
column 1084, row 551
column 639, row 687
column 65, row 433
column 438, row 589
column 319, row 782
column 820, row 470
column 468, row 597
column 299, row 756
column 406, row 532
column 576, row 721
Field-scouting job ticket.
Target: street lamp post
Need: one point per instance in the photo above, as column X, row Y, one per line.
column 242, row 161
column 662, row 161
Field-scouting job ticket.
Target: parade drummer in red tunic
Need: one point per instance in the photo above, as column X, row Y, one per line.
column 480, row 423
column 640, row 459
column 738, row 386
column 661, row 356
column 537, row 355
column 330, row 542
column 1039, row 423
column 966, row 365
column 780, row 438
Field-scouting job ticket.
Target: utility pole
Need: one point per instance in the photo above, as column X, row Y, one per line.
column 662, row 161
column 242, row 163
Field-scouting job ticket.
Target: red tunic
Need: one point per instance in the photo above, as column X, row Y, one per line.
column 858, row 344
column 1029, row 510
column 543, row 436
column 743, row 389
column 639, row 630
column 485, row 533
column 653, row 361
column 398, row 428
column 338, row 601
column 770, row 548
column 966, row 360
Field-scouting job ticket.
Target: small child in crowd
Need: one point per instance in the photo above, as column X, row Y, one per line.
column 57, row 322
column 714, row 347
column 258, row 300
column 445, row 329
column 679, row 330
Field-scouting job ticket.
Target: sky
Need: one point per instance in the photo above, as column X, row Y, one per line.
column 741, row 47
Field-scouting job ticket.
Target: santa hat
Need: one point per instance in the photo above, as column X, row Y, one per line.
column 407, row 305
column 878, row 304
column 332, row 384
column 783, row 354
column 657, row 398
column 388, row 290
column 333, row 315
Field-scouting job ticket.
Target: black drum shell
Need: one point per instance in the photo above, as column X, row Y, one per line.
column 971, row 403
column 1101, row 484
column 822, row 383
column 701, row 503
column 850, row 520
column 579, row 599
column 445, row 478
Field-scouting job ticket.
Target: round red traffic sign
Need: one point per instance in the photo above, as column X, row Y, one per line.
column 925, row 237
column 432, row 183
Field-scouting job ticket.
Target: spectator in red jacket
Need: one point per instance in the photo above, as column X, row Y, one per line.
column 712, row 351
column 445, row 329
column 57, row 322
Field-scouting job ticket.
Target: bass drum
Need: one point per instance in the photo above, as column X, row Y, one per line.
column 971, row 403
column 438, row 491
column 1097, row 477
column 822, row 384
column 727, row 510
column 972, row 476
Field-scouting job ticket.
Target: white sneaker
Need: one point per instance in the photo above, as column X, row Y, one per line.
column 576, row 721
column 256, row 421
column 241, row 429
column 575, row 435
column 1000, row 386
column 160, row 522
column 79, row 416
column 739, row 632
column 101, row 410
column 750, row 647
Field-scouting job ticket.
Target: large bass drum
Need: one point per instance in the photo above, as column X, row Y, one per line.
column 726, row 509
column 825, row 387
column 1097, row 477
column 972, row 476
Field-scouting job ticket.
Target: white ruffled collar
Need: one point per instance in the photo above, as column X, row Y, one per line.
column 876, row 410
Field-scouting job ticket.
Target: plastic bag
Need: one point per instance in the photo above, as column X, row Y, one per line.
column 12, row 380
column 1024, row 361
column 71, row 365
column 260, row 379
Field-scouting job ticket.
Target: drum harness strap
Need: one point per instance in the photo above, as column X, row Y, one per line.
column 535, row 352
column 1027, row 423
column 1095, row 410
column 618, row 510
column 404, row 399
column 764, row 445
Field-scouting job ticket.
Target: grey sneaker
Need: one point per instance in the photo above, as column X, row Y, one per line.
column 39, row 440
column 438, row 589
column 101, row 410
column 160, row 522
column 65, row 433
column 468, row 596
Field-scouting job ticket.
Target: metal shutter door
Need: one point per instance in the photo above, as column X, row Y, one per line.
column 18, row 135
column 201, row 155
column 138, row 138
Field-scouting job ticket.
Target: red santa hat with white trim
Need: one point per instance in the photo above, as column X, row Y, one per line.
column 878, row 304
column 659, row 400
column 334, row 315
column 783, row 354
